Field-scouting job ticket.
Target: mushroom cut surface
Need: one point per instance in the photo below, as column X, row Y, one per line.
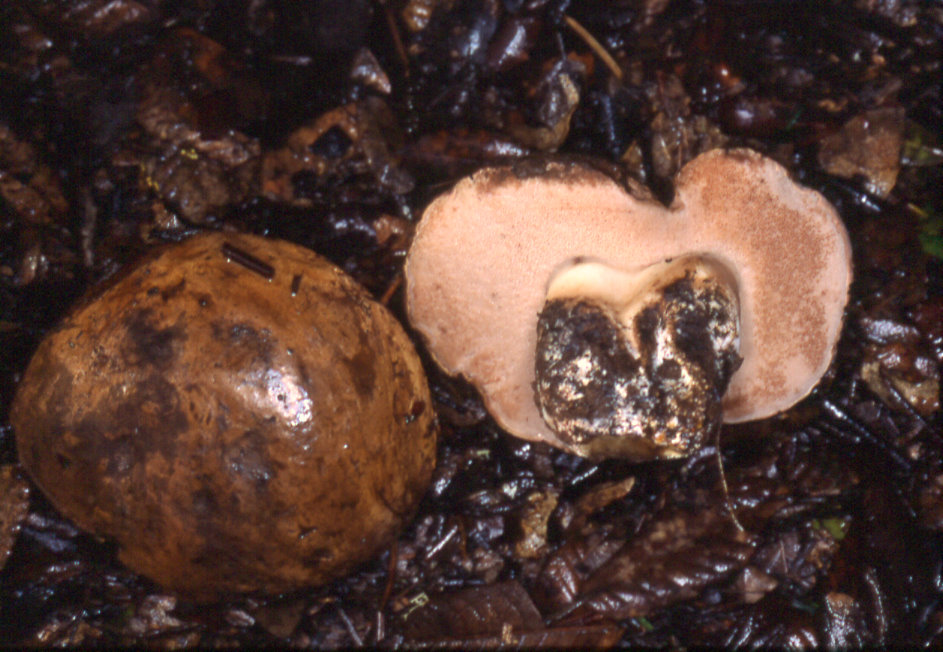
column 236, row 413
column 486, row 253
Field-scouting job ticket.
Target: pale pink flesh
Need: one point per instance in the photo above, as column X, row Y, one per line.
column 483, row 255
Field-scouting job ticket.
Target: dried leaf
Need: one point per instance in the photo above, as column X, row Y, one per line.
column 888, row 564
column 280, row 618
column 597, row 498
column 367, row 70
column 868, row 145
column 99, row 18
column 14, row 494
column 558, row 95
column 353, row 139
column 533, row 524
column 473, row 613
column 845, row 623
column 673, row 560
column 192, row 170
column 896, row 368
column 496, row 616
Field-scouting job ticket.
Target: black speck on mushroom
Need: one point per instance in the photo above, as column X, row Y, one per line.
column 612, row 326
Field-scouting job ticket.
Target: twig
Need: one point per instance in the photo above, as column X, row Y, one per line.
column 723, row 480
column 595, row 46
column 391, row 289
column 350, row 626
column 397, row 39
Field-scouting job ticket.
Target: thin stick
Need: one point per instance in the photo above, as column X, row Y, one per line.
column 723, row 480
column 247, row 260
column 391, row 289
column 397, row 39
column 595, row 46
column 350, row 626
column 390, row 575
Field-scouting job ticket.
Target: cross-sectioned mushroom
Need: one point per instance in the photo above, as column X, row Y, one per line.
column 236, row 413
column 609, row 325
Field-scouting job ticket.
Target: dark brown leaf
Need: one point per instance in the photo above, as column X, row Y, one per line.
column 14, row 494
column 868, row 145
column 497, row 616
column 672, row 561
column 472, row 613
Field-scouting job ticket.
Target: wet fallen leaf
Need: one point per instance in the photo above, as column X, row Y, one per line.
column 497, row 616
column 14, row 503
column 658, row 567
column 533, row 524
column 868, row 145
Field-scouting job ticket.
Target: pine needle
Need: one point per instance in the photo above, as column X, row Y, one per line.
column 723, row 481
column 595, row 46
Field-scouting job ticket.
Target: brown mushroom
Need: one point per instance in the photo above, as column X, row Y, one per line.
column 626, row 319
column 236, row 412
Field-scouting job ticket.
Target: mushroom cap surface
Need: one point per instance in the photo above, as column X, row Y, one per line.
column 232, row 430
column 484, row 254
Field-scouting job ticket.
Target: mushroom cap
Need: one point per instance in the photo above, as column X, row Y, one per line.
column 230, row 431
column 484, row 253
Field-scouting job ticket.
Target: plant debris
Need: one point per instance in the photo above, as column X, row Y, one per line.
column 125, row 124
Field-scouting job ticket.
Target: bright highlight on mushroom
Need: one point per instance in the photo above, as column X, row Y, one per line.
column 609, row 325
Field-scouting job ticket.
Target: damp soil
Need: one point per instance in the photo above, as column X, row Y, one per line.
column 125, row 125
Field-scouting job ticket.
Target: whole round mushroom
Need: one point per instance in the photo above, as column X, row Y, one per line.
column 237, row 413
column 610, row 325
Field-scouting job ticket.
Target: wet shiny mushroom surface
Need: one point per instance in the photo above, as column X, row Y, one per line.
column 235, row 412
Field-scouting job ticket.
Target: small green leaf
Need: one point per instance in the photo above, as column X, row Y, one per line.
column 836, row 527
column 931, row 230
column 794, row 119
column 920, row 148
column 808, row 607
column 644, row 623
column 932, row 244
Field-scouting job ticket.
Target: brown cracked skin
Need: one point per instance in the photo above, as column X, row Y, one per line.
column 232, row 436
